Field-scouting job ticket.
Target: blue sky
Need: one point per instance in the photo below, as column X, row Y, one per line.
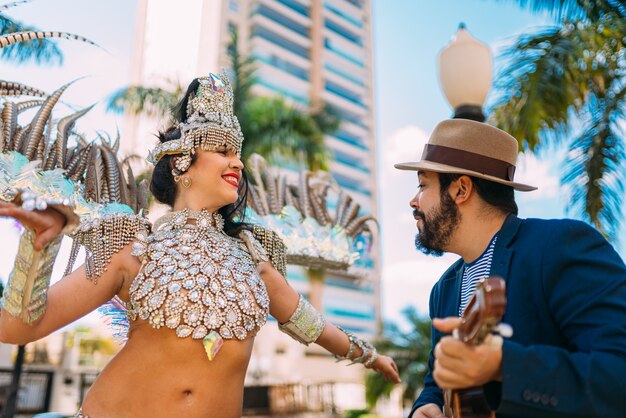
column 407, row 37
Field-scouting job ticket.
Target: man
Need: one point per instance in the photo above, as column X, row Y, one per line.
column 566, row 287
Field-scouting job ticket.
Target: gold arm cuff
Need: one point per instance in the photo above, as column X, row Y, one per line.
column 27, row 288
column 306, row 323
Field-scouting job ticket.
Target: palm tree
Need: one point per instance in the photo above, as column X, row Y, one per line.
column 410, row 349
column 567, row 83
column 39, row 50
column 272, row 127
column 278, row 131
column 150, row 101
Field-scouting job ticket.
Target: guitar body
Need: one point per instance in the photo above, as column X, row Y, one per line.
column 467, row 403
column 480, row 318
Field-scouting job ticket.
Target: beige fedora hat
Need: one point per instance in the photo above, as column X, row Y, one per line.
column 463, row 146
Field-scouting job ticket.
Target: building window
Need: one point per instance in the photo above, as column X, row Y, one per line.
column 344, row 93
column 350, row 139
column 350, row 161
column 274, row 38
column 295, row 6
column 346, row 16
column 345, row 74
column 282, row 64
column 351, row 184
column 281, row 90
column 340, row 30
column 356, row 3
column 233, row 5
column 350, row 117
column 342, row 53
column 343, row 283
column 282, row 20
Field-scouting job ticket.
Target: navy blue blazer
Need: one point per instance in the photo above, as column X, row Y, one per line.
column 566, row 302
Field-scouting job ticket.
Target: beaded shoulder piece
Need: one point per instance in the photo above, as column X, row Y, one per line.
column 273, row 247
column 104, row 236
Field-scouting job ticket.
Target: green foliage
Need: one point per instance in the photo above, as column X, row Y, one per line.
column 244, row 78
column 274, row 128
column 566, row 84
column 410, row 349
column 37, row 50
column 358, row 413
column 151, row 101
column 570, row 9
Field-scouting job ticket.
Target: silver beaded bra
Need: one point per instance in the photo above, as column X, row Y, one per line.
column 198, row 280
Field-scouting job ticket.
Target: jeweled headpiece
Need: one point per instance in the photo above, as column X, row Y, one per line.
column 210, row 123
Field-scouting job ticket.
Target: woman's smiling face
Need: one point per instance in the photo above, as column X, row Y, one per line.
column 215, row 177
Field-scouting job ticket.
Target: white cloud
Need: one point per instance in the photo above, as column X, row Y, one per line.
column 397, row 187
column 539, row 173
column 409, row 283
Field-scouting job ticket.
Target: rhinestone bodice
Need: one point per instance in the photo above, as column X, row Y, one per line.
column 196, row 279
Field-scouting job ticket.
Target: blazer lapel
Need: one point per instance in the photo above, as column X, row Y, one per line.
column 452, row 286
column 502, row 254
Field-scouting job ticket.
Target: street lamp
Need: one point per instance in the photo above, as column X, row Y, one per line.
column 465, row 74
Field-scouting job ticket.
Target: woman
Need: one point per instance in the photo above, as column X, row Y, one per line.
column 197, row 284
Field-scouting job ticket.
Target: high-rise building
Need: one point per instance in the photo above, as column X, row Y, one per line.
column 310, row 52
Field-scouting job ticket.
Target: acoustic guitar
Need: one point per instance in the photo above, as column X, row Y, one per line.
column 480, row 318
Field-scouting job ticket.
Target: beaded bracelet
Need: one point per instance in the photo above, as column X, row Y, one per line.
column 369, row 355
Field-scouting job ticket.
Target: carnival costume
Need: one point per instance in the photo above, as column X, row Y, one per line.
column 194, row 278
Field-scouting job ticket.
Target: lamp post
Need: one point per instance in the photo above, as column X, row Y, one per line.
column 465, row 74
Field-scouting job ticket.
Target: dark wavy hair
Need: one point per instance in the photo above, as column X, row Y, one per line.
column 163, row 186
column 500, row 196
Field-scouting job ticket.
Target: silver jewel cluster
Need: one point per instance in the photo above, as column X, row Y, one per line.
column 195, row 279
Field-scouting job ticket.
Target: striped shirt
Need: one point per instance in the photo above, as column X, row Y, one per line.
column 473, row 272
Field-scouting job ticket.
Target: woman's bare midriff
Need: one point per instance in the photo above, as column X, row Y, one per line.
column 158, row 374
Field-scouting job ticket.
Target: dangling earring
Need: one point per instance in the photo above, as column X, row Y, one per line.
column 184, row 180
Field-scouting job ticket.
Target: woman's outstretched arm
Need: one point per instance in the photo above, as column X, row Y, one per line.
column 284, row 301
column 69, row 299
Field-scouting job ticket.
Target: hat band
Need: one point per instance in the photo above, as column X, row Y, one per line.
column 469, row 161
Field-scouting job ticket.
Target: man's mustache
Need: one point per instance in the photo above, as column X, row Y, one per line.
column 418, row 214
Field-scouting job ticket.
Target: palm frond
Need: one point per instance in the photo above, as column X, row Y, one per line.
column 574, row 9
column 7, row 6
column 594, row 166
column 410, row 348
column 281, row 132
column 38, row 50
column 540, row 86
column 328, row 119
column 243, row 68
column 152, row 101
column 549, row 77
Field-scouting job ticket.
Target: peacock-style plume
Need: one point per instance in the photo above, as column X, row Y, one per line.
column 317, row 233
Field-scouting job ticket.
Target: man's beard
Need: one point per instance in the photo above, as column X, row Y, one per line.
column 436, row 232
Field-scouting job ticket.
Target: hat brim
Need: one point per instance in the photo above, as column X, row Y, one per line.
column 442, row 168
